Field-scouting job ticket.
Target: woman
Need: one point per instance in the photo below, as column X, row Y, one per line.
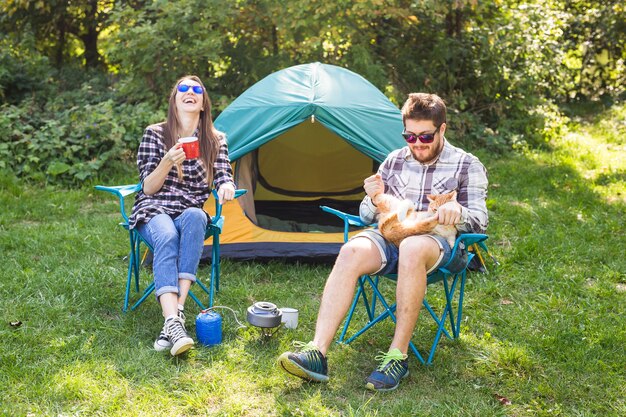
column 168, row 210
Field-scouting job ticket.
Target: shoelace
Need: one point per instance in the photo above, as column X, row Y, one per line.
column 181, row 316
column 175, row 329
column 386, row 357
column 313, row 356
column 305, row 347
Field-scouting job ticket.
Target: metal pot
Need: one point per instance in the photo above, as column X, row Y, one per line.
column 264, row 314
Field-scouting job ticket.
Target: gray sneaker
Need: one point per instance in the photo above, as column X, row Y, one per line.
column 162, row 342
column 175, row 331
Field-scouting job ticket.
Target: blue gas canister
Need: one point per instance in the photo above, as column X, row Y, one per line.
column 209, row 328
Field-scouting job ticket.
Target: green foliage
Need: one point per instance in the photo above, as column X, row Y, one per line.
column 67, row 32
column 163, row 41
column 23, row 70
column 68, row 140
column 504, row 67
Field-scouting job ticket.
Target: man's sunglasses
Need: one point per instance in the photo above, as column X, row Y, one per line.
column 183, row 88
column 424, row 138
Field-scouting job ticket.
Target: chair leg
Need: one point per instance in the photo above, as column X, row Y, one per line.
column 455, row 321
column 372, row 312
column 435, row 318
column 215, row 272
column 431, row 354
column 132, row 269
column 129, row 277
column 376, row 295
column 216, row 261
column 137, row 260
column 355, row 300
column 145, row 295
column 449, row 292
column 460, row 306
column 194, row 298
column 449, row 310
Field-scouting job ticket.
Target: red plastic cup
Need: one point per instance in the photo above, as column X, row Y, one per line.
column 191, row 146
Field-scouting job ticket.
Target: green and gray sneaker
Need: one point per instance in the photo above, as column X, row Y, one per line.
column 393, row 367
column 307, row 364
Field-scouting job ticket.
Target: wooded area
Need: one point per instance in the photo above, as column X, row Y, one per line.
column 79, row 80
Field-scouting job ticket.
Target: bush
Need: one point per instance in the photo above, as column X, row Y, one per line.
column 68, row 143
column 22, row 71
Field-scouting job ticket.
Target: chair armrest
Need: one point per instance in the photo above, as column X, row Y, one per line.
column 468, row 239
column 351, row 219
column 120, row 191
column 218, row 207
column 348, row 220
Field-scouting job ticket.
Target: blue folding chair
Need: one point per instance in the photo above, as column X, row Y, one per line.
column 451, row 283
column 214, row 229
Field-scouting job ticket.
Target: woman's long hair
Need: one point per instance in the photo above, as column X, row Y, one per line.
column 208, row 136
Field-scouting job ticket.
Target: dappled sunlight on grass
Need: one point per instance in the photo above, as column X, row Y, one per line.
column 89, row 386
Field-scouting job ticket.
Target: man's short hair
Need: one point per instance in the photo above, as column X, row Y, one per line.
column 424, row 106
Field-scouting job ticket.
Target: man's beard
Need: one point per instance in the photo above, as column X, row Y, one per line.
column 431, row 156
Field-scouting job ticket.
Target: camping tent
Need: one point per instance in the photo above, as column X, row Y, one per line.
column 303, row 136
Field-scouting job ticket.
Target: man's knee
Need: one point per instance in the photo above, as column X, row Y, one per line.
column 359, row 254
column 418, row 250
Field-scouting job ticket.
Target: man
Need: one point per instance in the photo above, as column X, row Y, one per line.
column 429, row 164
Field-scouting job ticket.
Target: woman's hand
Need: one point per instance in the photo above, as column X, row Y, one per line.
column 155, row 180
column 225, row 193
column 175, row 155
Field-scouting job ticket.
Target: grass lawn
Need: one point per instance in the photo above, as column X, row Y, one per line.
column 544, row 334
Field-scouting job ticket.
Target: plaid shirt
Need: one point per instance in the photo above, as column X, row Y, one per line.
column 455, row 169
column 175, row 196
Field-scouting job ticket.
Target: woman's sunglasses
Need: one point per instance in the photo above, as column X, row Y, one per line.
column 424, row 138
column 183, row 88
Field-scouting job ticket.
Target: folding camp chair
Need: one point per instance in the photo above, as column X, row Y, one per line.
column 214, row 228
column 451, row 283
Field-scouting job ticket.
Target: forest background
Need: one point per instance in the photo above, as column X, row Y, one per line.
column 80, row 79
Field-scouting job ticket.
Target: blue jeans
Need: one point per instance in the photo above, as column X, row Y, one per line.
column 177, row 245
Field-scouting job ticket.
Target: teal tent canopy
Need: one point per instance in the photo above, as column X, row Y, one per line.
column 341, row 100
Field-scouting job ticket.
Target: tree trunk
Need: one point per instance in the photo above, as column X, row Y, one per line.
column 91, row 55
column 90, row 39
column 60, row 44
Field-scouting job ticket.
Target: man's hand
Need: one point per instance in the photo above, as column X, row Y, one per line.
column 225, row 193
column 373, row 185
column 449, row 213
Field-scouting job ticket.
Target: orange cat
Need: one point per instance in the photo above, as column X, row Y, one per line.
column 398, row 219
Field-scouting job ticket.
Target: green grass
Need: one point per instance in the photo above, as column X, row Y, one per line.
column 545, row 330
